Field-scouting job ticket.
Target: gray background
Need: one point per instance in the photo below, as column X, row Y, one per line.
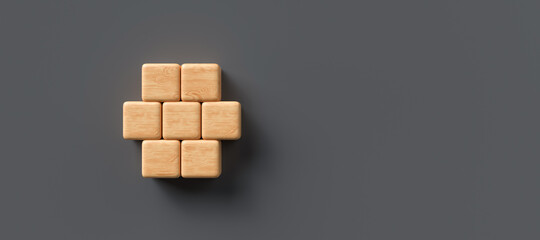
column 362, row 120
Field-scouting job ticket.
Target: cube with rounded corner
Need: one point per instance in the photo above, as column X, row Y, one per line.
column 142, row 120
column 181, row 120
column 160, row 82
column 201, row 158
column 201, row 82
column 161, row 159
column 221, row 120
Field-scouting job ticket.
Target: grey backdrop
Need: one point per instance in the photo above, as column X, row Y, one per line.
column 366, row 120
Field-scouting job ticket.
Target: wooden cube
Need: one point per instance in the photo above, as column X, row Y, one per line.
column 201, row 158
column 161, row 158
column 160, row 82
column 221, row 120
column 181, row 120
column 142, row 120
column 201, row 82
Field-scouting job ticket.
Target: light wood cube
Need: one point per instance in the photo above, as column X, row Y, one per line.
column 201, row 82
column 221, row 120
column 142, row 120
column 201, row 158
column 161, row 158
column 161, row 82
column 181, row 120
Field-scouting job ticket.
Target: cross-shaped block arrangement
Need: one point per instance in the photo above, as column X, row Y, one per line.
column 181, row 138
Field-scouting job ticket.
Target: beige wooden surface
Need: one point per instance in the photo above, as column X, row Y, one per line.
column 161, row 158
column 142, row 120
column 221, row 120
column 201, row 82
column 201, row 158
column 161, row 82
column 181, row 120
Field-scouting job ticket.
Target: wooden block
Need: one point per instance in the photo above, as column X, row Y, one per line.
column 142, row 120
column 161, row 158
column 201, row 158
column 221, row 120
column 181, row 120
column 160, row 82
column 201, row 82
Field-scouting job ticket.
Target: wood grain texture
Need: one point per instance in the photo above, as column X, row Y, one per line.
column 201, row 158
column 181, row 120
column 142, row 120
column 221, row 120
column 161, row 82
column 161, row 159
column 201, row 82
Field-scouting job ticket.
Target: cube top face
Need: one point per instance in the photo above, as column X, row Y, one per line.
column 201, row 159
column 181, row 120
column 201, row 82
column 142, row 120
column 161, row 159
column 161, row 82
column 221, row 120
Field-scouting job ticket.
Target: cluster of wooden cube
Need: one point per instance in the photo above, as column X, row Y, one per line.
column 171, row 129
